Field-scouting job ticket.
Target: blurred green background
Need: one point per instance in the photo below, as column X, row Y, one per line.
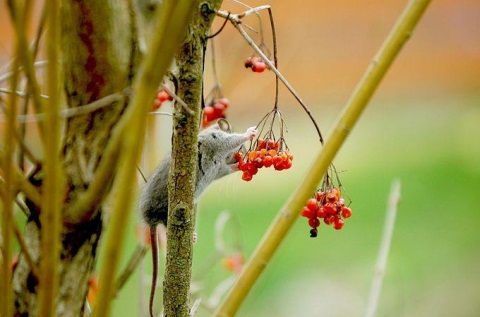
column 422, row 127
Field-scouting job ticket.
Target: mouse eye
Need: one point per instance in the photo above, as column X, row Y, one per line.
column 214, row 135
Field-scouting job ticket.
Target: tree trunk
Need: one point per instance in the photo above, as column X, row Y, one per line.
column 99, row 57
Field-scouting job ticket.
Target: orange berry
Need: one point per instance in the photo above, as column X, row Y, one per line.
column 234, row 263
column 272, row 152
column 92, row 289
column 252, row 155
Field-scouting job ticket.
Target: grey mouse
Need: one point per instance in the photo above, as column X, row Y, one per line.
column 216, row 147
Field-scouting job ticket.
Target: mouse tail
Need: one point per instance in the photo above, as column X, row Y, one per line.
column 154, row 244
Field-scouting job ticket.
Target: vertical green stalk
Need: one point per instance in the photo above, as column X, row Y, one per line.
column 50, row 216
column 345, row 123
column 7, row 212
column 172, row 20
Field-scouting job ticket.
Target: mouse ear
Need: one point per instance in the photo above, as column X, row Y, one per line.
column 224, row 125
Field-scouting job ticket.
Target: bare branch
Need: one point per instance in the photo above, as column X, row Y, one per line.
column 375, row 289
column 24, row 249
column 132, row 265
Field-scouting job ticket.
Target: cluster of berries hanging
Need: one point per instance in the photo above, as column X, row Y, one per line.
column 266, row 154
column 162, row 97
column 328, row 205
column 214, row 110
column 257, row 64
column 266, row 150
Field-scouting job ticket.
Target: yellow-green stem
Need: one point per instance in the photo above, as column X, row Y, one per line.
column 354, row 107
column 173, row 19
column 50, row 216
column 7, row 212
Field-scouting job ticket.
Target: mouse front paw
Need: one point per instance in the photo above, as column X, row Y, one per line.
column 251, row 133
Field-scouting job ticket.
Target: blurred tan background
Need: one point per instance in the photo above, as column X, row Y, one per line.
column 422, row 126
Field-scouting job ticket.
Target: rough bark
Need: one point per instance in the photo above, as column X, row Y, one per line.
column 181, row 219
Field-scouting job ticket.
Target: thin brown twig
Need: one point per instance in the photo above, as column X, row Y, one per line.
column 178, row 99
column 24, row 249
column 133, row 263
column 23, row 148
column 22, row 94
column 77, row 111
column 7, row 75
column 26, row 58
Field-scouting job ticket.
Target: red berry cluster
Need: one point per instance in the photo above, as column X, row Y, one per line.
column 215, row 110
column 257, row 64
column 329, row 206
column 266, row 154
column 162, row 96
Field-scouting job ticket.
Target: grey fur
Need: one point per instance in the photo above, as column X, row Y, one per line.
column 216, row 146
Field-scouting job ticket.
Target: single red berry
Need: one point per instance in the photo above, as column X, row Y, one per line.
column 329, row 219
column 287, row 164
column 320, row 196
column 224, row 101
column 238, row 156
column 218, row 109
column 338, row 224
column 277, row 160
column 209, row 114
column 341, row 202
column 252, row 169
column 312, row 204
column 242, row 166
column 259, row 66
column 321, row 213
column 249, row 62
column 247, row 176
column 164, row 96
column 330, row 208
column 314, row 222
column 346, row 212
column 258, row 162
column 306, row 212
column 267, row 161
